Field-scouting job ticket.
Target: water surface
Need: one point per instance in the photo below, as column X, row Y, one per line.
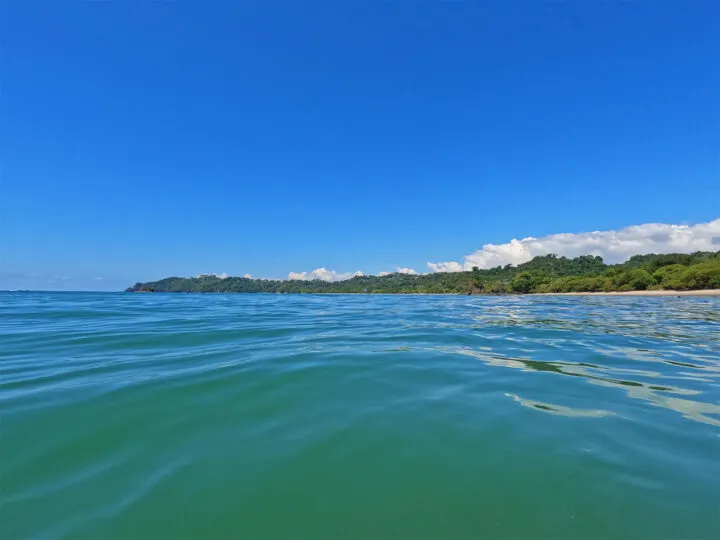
column 358, row 417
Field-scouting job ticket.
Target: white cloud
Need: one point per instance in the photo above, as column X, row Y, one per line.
column 612, row 246
column 445, row 267
column 399, row 270
column 98, row 278
column 323, row 274
column 247, row 276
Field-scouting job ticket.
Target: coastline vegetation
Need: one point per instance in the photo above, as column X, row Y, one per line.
column 544, row 274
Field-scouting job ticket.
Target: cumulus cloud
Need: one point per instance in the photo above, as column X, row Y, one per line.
column 445, row 267
column 613, row 246
column 247, row 276
column 323, row 274
column 399, row 270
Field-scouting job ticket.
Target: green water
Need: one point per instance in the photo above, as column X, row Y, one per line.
column 358, row 417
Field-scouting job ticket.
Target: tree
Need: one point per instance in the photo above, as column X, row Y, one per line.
column 526, row 282
column 673, row 276
column 640, row 279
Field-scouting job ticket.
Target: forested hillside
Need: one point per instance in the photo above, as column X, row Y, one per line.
column 549, row 273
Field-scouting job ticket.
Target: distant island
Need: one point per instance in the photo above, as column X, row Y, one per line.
column 545, row 274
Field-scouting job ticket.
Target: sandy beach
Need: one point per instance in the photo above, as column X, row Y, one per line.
column 706, row 292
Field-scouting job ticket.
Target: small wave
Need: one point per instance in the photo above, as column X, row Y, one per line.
column 119, row 410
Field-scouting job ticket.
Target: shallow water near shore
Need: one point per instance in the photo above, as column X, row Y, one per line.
column 302, row 416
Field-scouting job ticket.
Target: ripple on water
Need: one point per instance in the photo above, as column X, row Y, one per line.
column 351, row 416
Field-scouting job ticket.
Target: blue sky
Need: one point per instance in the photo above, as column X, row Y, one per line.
column 145, row 139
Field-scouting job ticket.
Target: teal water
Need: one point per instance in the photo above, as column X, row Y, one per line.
column 130, row 416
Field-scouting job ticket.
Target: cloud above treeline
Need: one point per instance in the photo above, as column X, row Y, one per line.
column 399, row 271
column 331, row 275
column 323, row 274
column 613, row 246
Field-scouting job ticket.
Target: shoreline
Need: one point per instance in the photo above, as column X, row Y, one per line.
column 664, row 292
column 700, row 292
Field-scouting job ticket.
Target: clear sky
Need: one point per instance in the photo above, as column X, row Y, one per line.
column 143, row 139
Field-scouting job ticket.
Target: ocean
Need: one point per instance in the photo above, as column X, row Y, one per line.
column 128, row 416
